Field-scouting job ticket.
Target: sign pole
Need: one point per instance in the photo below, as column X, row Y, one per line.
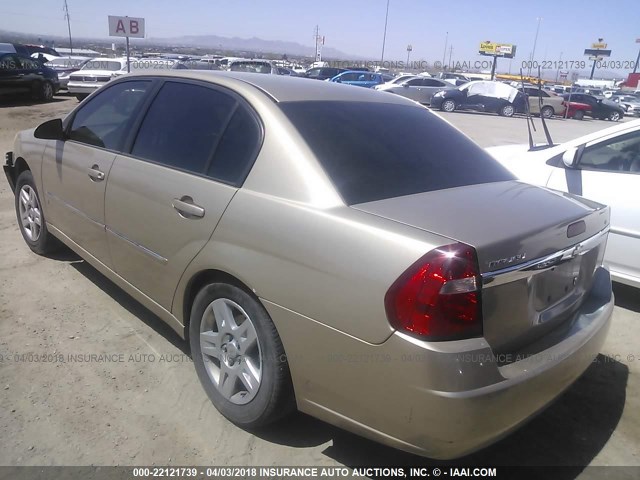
column 129, row 65
column 493, row 67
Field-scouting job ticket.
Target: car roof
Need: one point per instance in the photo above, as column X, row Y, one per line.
column 284, row 88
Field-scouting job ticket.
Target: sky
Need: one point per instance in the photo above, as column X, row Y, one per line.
column 356, row 27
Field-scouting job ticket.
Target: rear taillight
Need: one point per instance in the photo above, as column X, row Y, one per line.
column 438, row 297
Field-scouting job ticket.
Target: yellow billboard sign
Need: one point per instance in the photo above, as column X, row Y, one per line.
column 599, row 46
column 506, row 50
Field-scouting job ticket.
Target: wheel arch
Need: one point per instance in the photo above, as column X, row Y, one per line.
column 14, row 170
column 199, row 280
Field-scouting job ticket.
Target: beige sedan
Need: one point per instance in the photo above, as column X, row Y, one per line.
column 335, row 250
column 552, row 104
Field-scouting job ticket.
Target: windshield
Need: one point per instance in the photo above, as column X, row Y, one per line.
column 252, row 67
column 411, row 151
column 108, row 65
column 65, row 62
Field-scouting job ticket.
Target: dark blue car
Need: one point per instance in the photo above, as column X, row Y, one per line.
column 19, row 75
column 359, row 78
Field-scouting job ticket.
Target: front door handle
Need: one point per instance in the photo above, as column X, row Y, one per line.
column 186, row 208
column 95, row 174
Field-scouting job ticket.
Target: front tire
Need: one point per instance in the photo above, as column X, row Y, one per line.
column 614, row 116
column 239, row 357
column 31, row 217
column 448, row 106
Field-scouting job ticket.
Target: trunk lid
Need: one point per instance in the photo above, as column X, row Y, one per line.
column 525, row 237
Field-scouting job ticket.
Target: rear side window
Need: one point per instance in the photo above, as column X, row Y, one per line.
column 183, row 126
column 373, row 151
column 237, row 149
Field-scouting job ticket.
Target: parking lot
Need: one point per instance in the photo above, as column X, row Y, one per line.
column 137, row 401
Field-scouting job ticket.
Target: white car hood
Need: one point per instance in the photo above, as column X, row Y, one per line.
column 100, row 73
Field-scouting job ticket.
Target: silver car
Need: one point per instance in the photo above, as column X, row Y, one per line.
column 386, row 276
column 419, row 89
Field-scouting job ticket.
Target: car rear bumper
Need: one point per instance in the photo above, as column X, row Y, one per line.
column 440, row 400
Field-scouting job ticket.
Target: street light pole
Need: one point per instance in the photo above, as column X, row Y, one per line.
column 409, row 48
column 535, row 42
column 384, row 37
column 444, row 54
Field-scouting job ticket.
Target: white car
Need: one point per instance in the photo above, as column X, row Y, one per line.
column 94, row 74
column 603, row 166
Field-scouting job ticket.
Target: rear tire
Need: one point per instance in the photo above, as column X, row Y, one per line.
column 31, row 217
column 547, row 111
column 579, row 115
column 448, row 106
column 507, row 111
column 244, row 368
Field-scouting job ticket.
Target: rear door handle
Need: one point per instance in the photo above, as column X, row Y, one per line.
column 95, row 174
column 187, row 208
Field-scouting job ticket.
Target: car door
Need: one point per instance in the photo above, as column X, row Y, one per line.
column 609, row 172
column 11, row 75
column 430, row 86
column 75, row 171
column 165, row 197
column 411, row 89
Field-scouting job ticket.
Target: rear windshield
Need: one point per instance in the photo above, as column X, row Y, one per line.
column 102, row 65
column 373, row 151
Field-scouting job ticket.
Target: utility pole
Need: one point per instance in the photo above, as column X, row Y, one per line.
column 535, row 41
column 319, row 43
column 384, row 37
column 444, row 54
column 559, row 63
column 450, row 53
column 409, row 49
column 68, row 18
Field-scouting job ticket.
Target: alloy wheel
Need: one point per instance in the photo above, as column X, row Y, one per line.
column 30, row 213
column 231, row 351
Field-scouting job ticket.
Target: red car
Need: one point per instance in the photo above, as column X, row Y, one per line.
column 576, row 110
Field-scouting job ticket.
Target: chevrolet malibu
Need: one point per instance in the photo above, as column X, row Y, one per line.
column 389, row 277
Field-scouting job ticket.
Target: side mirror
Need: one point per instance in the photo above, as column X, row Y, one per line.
column 51, row 130
column 570, row 157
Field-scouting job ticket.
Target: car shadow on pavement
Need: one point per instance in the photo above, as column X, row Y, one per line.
column 130, row 304
column 626, row 297
column 569, row 433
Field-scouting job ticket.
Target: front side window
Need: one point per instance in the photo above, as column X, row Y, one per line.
column 183, row 126
column 620, row 154
column 9, row 62
column 104, row 120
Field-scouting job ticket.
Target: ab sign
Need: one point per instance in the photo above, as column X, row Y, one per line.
column 126, row 27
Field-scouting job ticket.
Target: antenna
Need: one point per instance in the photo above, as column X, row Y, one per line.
column 529, row 119
column 544, row 124
column 68, row 18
